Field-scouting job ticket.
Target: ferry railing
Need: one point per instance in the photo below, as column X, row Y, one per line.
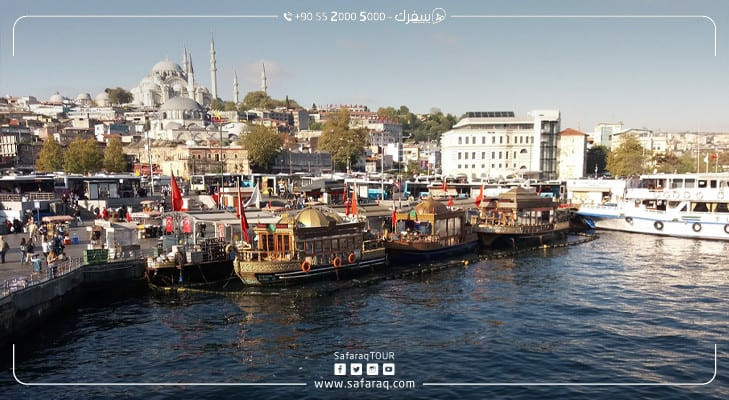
column 30, row 196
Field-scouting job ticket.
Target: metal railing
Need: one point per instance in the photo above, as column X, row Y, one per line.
column 64, row 267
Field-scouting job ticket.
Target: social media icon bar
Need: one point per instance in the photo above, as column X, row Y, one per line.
column 373, row 369
column 340, row 369
column 355, row 369
column 388, row 369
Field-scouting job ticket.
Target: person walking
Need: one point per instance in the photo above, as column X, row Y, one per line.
column 51, row 260
column 45, row 247
column 4, row 247
column 23, row 250
column 29, row 251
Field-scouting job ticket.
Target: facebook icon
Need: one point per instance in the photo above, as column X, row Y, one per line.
column 340, row 369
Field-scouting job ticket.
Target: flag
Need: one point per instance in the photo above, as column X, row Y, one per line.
column 243, row 219
column 346, row 200
column 354, row 201
column 129, row 216
column 450, row 201
column 706, row 159
column 394, row 220
column 216, row 199
column 176, row 195
column 479, row 197
column 714, row 156
column 445, row 188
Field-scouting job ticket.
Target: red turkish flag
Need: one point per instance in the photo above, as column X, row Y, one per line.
column 176, row 195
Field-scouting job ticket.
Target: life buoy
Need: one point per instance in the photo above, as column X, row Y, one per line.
column 228, row 249
column 351, row 258
column 699, row 195
column 658, row 225
column 629, row 220
column 676, row 195
column 726, row 228
column 720, row 195
column 696, row 227
column 306, row 266
column 686, row 195
column 637, row 202
column 337, row 262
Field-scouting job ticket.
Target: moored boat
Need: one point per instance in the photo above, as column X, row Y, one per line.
column 520, row 216
column 309, row 245
column 682, row 205
column 429, row 232
column 192, row 251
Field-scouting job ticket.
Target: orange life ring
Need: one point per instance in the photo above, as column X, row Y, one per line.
column 351, row 258
column 306, row 266
column 337, row 262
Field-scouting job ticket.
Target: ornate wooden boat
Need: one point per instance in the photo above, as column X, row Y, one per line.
column 310, row 245
column 429, row 232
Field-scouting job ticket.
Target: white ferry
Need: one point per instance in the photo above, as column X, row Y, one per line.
column 682, row 205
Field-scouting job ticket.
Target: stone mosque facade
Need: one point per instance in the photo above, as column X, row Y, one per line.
column 168, row 80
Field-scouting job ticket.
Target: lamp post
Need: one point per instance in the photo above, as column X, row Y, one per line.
column 220, row 188
column 151, row 173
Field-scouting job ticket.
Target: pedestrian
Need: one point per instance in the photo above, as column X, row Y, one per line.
column 51, row 260
column 31, row 229
column 4, row 247
column 29, row 250
column 23, row 250
column 45, row 247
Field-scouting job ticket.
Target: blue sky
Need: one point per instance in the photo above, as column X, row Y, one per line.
column 657, row 73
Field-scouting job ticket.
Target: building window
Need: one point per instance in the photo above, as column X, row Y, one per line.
column 499, row 155
column 483, row 166
column 465, row 166
column 493, row 155
column 501, row 140
column 523, row 151
column 483, row 155
column 514, row 154
column 473, row 155
column 465, row 155
column 473, row 166
column 459, row 155
column 493, row 139
column 506, row 155
column 459, row 166
column 459, row 140
column 483, row 139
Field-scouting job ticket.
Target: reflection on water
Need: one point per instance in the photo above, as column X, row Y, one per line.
column 624, row 308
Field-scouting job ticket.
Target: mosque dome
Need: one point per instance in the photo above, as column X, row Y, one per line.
column 83, row 97
column 102, row 99
column 55, row 98
column 181, row 104
column 431, row 206
column 166, row 66
column 312, row 218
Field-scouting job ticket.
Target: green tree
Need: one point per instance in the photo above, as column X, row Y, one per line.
column 628, row 159
column 229, row 106
column 83, row 156
column 315, row 126
column 345, row 145
column 50, row 157
column 263, row 144
column 433, row 126
column 118, row 95
column 114, row 160
column 596, row 157
column 670, row 163
column 216, row 104
column 413, row 168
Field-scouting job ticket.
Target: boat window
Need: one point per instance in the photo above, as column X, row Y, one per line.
column 684, row 207
column 676, row 184
column 673, row 204
column 702, row 184
column 700, row 207
column 722, row 207
column 689, row 183
column 712, row 184
column 722, row 184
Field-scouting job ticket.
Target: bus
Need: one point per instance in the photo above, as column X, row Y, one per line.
column 209, row 182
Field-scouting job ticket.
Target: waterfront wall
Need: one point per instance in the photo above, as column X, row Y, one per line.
column 24, row 309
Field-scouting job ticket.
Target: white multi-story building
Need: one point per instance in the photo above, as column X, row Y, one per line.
column 572, row 147
column 495, row 144
column 603, row 133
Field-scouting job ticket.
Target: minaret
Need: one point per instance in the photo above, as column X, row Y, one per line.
column 235, row 87
column 263, row 80
column 184, row 60
column 190, row 78
column 213, row 68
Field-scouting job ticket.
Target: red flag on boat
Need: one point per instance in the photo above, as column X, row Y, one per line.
column 394, row 220
column 216, row 199
column 176, row 195
column 243, row 219
column 445, row 188
column 354, row 201
column 129, row 216
column 346, row 200
column 479, row 198
column 450, row 201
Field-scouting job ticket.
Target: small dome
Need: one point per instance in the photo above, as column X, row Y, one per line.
column 286, row 219
column 335, row 217
column 173, row 125
column 83, row 97
column 312, row 218
column 431, row 206
column 55, row 98
column 181, row 104
column 166, row 66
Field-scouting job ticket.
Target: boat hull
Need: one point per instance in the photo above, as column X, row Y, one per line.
column 402, row 254
column 207, row 273
column 277, row 273
column 688, row 225
column 490, row 236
